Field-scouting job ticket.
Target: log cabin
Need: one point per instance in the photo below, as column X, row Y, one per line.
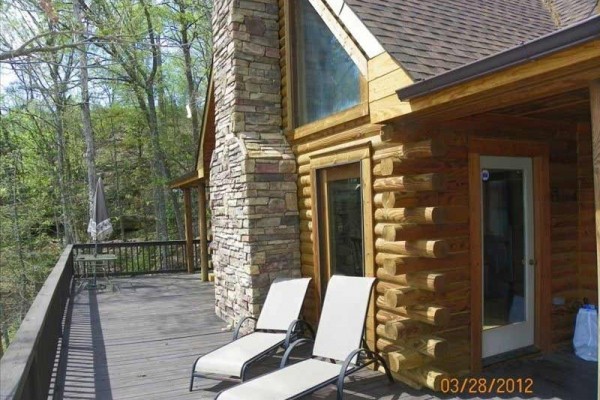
column 451, row 149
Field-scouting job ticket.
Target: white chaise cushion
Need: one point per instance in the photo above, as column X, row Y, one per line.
column 284, row 383
column 229, row 360
column 342, row 319
column 283, row 303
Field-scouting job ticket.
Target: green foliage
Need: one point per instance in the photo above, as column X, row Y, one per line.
column 41, row 124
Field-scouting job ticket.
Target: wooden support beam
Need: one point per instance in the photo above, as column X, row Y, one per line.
column 189, row 232
column 203, row 229
column 410, row 183
column 417, row 248
column 417, row 215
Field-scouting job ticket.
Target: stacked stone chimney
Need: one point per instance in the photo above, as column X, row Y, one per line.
column 253, row 196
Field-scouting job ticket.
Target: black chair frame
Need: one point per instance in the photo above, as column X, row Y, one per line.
column 294, row 333
column 346, row 368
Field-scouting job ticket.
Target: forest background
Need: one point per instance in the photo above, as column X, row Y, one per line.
column 88, row 88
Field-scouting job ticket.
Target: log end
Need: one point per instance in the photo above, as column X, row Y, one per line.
column 441, row 316
column 388, row 199
column 439, row 248
column 389, row 233
column 438, row 282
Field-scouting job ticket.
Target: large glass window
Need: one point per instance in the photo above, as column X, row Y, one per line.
column 327, row 80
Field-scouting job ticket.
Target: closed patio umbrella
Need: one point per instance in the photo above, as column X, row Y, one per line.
column 99, row 226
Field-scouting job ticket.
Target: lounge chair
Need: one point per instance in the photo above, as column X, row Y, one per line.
column 336, row 351
column 277, row 326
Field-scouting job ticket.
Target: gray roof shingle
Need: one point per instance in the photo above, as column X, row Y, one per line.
column 572, row 11
column 431, row 37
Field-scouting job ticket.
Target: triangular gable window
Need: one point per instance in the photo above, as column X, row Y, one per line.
column 327, row 80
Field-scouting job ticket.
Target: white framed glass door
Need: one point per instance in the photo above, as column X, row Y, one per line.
column 507, row 254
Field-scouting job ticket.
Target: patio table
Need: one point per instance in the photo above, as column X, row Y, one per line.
column 90, row 263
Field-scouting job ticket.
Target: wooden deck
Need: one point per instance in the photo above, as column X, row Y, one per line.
column 139, row 342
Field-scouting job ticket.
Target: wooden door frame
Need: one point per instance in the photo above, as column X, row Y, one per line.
column 353, row 153
column 539, row 152
column 324, row 176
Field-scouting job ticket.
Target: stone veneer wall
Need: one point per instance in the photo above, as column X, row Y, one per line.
column 253, row 193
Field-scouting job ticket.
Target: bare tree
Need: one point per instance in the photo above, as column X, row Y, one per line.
column 88, row 135
column 51, row 81
column 35, row 41
column 143, row 79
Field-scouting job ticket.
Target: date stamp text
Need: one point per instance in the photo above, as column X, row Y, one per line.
column 487, row 385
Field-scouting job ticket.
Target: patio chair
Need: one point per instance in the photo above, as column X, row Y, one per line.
column 336, row 351
column 277, row 326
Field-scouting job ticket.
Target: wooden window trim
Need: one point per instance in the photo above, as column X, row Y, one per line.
column 331, row 121
column 339, row 32
column 539, row 152
column 353, row 113
column 351, row 154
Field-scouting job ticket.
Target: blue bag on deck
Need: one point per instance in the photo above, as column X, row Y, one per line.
column 585, row 340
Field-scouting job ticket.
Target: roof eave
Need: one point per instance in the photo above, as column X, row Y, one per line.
column 187, row 180
column 582, row 32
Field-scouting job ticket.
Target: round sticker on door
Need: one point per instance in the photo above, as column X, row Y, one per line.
column 485, row 175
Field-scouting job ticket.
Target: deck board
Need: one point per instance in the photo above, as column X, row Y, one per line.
column 139, row 342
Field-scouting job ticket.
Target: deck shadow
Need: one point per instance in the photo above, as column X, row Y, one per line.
column 86, row 375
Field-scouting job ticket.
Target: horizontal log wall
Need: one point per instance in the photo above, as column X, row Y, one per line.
column 304, row 149
column 567, row 202
column 565, row 214
column 417, row 228
column 421, row 217
column 421, row 230
column 421, row 236
column 588, row 282
column 564, row 222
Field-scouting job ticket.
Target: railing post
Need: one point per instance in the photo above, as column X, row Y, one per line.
column 189, row 233
column 203, row 229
